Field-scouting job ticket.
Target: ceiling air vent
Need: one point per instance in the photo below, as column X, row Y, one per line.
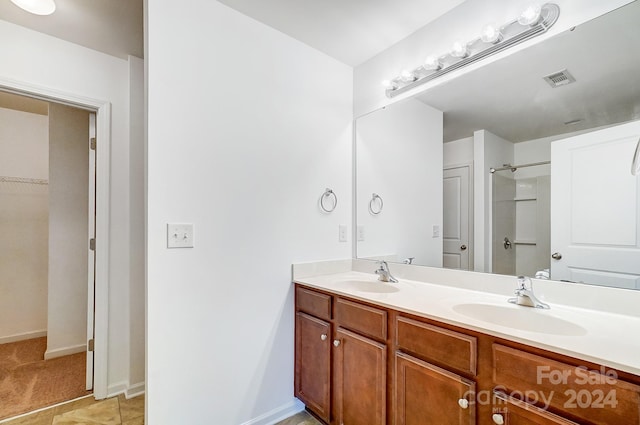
column 561, row 78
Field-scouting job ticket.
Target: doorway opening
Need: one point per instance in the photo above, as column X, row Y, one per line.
column 48, row 217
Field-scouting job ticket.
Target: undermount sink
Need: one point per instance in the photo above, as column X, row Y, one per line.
column 518, row 317
column 369, row 286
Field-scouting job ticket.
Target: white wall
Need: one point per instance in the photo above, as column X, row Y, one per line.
column 463, row 22
column 399, row 157
column 489, row 151
column 68, row 230
column 24, row 152
column 246, row 129
column 458, row 152
column 43, row 61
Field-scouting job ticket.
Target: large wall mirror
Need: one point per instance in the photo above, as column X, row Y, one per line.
column 503, row 170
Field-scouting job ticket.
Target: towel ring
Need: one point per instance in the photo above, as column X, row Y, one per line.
column 372, row 205
column 328, row 194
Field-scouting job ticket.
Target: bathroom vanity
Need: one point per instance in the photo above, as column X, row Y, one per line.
column 373, row 353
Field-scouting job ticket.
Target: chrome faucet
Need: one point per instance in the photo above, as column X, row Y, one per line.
column 525, row 296
column 384, row 275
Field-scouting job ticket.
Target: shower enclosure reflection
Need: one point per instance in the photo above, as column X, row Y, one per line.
column 521, row 220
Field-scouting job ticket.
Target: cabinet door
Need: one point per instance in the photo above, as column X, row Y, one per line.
column 360, row 377
column 428, row 395
column 313, row 364
column 516, row 412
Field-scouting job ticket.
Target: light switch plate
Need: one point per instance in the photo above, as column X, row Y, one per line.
column 179, row 235
column 342, row 233
column 436, row 231
column 360, row 233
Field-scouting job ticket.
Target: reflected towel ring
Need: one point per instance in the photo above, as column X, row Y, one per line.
column 328, row 193
column 372, row 206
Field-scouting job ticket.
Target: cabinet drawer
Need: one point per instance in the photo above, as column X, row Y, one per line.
column 595, row 396
column 360, row 318
column 442, row 346
column 518, row 412
column 314, row 303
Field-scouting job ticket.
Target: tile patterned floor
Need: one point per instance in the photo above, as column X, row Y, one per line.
column 87, row 411
column 302, row 418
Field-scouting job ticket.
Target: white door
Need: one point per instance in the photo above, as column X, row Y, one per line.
column 91, row 266
column 456, row 250
column 595, row 208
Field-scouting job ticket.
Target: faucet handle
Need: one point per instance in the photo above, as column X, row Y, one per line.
column 522, row 283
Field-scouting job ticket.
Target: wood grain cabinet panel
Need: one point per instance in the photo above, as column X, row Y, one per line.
column 588, row 396
column 369, row 321
column 314, row 303
column 428, row 395
column 516, row 412
column 313, row 364
column 448, row 348
column 360, row 380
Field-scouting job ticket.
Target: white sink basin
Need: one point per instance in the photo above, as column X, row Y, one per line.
column 368, row 286
column 519, row 317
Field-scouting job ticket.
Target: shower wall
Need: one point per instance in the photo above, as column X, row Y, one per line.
column 504, row 225
column 24, row 153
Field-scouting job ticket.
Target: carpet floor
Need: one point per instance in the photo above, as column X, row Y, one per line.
column 27, row 382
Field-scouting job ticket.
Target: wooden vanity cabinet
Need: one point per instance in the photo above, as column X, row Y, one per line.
column 360, row 364
column 341, row 359
column 428, row 393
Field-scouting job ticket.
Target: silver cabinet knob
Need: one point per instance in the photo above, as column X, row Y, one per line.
column 498, row 419
column 556, row 256
column 323, row 337
column 464, row 403
column 336, row 342
column 463, row 247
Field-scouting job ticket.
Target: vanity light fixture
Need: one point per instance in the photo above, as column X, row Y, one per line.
column 533, row 21
column 37, row 7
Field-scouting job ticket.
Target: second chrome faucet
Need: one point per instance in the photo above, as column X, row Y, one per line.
column 525, row 295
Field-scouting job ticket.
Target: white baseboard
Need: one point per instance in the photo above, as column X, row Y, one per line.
column 134, row 390
column 278, row 414
column 22, row 336
column 64, row 351
column 117, row 389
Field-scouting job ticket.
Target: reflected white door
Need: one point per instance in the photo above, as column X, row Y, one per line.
column 595, row 208
column 456, row 250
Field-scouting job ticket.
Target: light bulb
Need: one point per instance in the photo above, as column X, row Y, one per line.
column 531, row 15
column 459, row 49
column 389, row 85
column 432, row 63
column 37, row 7
column 407, row 75
column 491, row 34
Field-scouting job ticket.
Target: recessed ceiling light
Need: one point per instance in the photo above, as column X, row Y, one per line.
column 37, row 7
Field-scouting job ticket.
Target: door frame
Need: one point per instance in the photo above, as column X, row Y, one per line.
column 102, row 110
column 472, row 214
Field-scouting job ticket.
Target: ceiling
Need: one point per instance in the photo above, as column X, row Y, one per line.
column 510, row 99
column 351, row 31
column 114, row 27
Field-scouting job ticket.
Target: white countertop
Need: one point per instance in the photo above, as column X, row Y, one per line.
column 605, row 338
